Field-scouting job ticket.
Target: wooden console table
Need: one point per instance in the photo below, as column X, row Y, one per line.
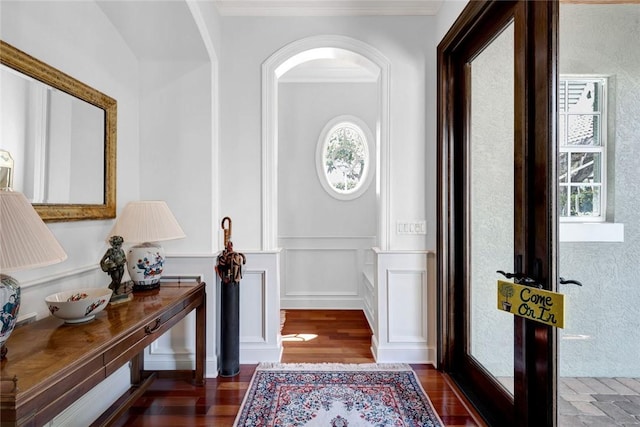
column 51, row 364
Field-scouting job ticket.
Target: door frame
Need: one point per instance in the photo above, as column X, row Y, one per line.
column 535, row 371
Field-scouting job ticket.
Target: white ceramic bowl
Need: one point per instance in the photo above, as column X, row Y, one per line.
column 78, row 305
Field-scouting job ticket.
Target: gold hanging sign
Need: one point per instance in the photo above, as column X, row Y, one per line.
column 531, row 303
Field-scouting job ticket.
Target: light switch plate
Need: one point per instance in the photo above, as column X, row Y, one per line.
column 412, row 227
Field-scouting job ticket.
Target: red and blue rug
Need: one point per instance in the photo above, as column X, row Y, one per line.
column 336, row 395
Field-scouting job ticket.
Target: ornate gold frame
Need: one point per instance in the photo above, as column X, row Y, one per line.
column 26, row 64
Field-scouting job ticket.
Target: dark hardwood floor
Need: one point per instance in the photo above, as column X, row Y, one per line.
column 309, row 336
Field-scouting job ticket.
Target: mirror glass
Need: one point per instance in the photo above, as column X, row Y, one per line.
column 61, row 137
column 56, row 141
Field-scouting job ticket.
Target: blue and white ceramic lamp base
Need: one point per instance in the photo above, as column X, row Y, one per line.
column 145, row 263
column 9, row 307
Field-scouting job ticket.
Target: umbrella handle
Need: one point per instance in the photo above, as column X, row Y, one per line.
column 227, row 231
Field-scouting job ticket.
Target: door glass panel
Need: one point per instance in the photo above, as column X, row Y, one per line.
column 491, row 183
column 599, row 348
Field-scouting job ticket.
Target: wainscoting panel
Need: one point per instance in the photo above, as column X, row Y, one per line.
column 368, row 293
column 175, row 349
column 401, row 331
column 406, row 306
column 333, row 272
column 253, row 313
column 323, row 272
column 260, row 339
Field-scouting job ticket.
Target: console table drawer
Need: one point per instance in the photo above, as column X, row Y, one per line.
column 130, row 346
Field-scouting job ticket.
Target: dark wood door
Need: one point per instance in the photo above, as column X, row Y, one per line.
column 496, row 204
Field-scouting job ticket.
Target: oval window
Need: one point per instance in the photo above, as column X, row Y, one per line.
column 342, row 158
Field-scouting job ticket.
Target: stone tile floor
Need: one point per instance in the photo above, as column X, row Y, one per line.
column 599, row 402
column 595, row 402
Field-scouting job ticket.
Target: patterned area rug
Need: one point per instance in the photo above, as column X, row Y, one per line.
column 336, row 395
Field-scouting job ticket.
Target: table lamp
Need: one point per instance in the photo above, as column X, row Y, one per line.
column 145, row 223
column 25, row 242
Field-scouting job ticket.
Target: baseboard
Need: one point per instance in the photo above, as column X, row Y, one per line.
column 369, row 315
column 252, row 354
column 403, row 352
column 321, row 303
column 169, row 362
column 180, row 362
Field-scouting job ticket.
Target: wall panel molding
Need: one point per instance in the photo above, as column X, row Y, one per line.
column 406, row 306
column 401, row 328
column 336, row 282
column 253, row 303
column 260, row 339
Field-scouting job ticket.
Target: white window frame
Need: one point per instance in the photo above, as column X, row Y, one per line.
column 370, row 163
column 601, row 149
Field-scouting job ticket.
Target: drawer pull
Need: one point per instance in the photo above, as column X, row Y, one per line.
column 150, row 330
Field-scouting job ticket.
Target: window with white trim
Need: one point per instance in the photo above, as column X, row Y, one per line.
column 582, row 123
column 343, row 159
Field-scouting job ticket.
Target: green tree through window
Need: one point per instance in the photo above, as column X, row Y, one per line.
column 345, row 157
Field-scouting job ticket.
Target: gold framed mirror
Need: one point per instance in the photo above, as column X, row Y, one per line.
column 70, row 180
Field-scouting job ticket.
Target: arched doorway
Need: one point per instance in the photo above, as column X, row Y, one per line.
column 315, row 68
column 290, row 56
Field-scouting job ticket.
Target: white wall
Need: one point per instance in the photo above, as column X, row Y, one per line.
column 304, row 207
column 448, row 13
column 403, row 40
column 176, row 148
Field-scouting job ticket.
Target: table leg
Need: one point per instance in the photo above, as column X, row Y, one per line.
column 200, row 341
column 137, row 366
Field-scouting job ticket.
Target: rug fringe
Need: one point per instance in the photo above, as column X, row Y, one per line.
column 276, row 366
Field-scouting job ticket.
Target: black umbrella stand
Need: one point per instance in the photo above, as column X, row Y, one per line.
column 229, row 269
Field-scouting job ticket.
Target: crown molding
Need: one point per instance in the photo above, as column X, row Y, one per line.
column 327, row 7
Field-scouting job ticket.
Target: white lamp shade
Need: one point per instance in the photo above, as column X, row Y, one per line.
column 147, row 221
column 26, row 241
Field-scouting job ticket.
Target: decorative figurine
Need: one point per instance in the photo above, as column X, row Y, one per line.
column 113, row 263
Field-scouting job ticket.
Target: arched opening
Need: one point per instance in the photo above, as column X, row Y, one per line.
column 300, row 57
column 327, row 62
